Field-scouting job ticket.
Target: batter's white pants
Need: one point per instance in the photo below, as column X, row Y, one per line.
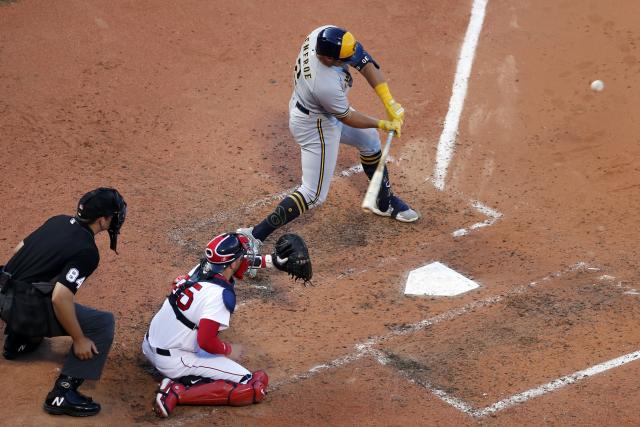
column 202, row 364
column 319, row 137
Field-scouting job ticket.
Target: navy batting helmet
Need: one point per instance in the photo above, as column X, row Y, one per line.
column 335, row 43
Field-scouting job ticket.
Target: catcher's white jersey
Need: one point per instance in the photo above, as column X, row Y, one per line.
column 319, row 88
column 173, row 348
column 201, row 301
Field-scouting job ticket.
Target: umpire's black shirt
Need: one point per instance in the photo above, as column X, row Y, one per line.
column 61, row 250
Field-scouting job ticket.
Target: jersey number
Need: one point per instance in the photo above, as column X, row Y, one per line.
column 184, row 306
column 72, row 275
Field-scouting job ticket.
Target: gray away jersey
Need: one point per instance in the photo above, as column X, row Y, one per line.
column 319, row 88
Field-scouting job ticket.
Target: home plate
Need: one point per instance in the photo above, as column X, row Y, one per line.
column 438, row 280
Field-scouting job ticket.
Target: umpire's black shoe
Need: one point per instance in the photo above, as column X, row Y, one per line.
column 71, row 403
column 64, row 399
column 15, row 346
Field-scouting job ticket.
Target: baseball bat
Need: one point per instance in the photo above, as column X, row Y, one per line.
column 369, row 201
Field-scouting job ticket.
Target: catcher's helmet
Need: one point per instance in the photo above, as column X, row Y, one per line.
column 335, row 43
column 223, row 250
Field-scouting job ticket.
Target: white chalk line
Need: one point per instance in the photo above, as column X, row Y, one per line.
column 365, row 349
column 459, row 92
column 493, row 215
column 557, row 384
column 453, row 401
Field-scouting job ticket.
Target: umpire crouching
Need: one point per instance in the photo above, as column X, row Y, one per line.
column 37, row 291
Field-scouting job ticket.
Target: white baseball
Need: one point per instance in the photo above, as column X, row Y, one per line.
column 597, row 85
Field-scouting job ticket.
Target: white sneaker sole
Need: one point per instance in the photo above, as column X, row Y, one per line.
column 405, row 216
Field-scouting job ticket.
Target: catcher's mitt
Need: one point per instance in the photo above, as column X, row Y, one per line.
column 292, row 257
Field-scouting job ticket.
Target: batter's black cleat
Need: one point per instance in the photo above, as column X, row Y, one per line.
column 64, row 399
column 15, row 346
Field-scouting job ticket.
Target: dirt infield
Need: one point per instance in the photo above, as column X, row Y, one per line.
column 183, row 107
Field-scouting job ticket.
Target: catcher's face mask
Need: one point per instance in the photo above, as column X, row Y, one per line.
column 247, row 259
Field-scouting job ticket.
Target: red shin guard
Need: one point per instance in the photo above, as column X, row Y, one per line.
column 224, row 393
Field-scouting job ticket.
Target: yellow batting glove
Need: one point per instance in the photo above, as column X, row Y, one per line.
column 395, row 111
column 390, row 125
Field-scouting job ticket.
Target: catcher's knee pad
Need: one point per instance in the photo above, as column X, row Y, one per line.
column 260, row 376
column 245, row 394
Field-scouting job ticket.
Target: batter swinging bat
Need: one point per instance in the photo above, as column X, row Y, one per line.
column 369, row 201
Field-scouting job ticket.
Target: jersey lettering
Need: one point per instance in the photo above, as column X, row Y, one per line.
column 72, row 275
column 184, row 305
column 298, row 69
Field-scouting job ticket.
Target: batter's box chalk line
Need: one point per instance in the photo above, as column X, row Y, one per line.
column 366, row 349
column 492, row 214
column 446, row 144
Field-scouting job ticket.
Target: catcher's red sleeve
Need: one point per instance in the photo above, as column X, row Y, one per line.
column 208, row 338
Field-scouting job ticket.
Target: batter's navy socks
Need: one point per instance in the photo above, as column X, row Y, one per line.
column 290, row 208
column 65, row 399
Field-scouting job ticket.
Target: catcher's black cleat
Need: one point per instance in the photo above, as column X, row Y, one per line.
column 64, row 399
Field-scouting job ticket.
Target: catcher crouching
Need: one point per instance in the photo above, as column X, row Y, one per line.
column 182, row 342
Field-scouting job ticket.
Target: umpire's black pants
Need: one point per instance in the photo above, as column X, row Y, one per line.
column 99, row 327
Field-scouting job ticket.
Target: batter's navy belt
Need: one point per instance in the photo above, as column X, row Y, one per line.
column 160, row 351
column 302, row 108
